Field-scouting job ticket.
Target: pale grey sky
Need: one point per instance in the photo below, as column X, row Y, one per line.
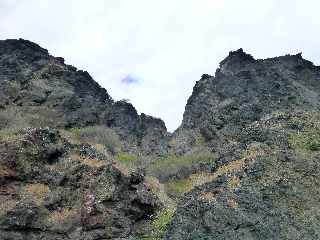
column 153, row 51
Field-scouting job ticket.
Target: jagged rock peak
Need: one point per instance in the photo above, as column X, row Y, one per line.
column 244, row 89
column 235, row 61
column 237, row 56
column 32, row 79
column 259, row 117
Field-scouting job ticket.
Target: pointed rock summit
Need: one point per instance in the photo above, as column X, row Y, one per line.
column 235, row 61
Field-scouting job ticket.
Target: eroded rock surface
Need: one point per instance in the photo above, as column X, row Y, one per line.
column 50, row 191
column 40, row 90
column 262, row 119
column 244, row 164
column 267, row 191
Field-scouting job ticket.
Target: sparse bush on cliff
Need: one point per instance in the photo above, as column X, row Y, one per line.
column 159, row 224
column 170, row 165
column 129, row 160
column 307, row 140
column 97, row 135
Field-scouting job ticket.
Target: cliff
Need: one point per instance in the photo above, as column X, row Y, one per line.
column 75, row 164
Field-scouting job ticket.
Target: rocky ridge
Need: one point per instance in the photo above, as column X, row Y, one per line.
column 75, row 164
column 262, row 119
column 37, row 84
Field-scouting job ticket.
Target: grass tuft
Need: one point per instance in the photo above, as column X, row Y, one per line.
column 171, row 164
column 160, row 222
column 95, row 135
column 305, row 141
column 130, row 161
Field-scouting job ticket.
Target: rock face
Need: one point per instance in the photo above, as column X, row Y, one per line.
column 262, row 118
column 244, row 90
column 246, row 155
column 51, row 189
column 266, row 188
column 48, row 92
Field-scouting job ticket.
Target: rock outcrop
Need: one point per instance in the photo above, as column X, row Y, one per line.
column 262, row 119
column 244, row 89
column 75, row 164
column 52, row 189
column 47, row 92
column 264, row 187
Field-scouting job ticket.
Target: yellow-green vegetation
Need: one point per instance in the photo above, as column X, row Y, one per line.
column 306, row 137
column 126, row 158
column 131, row 161
column 179, row 187
column 159, row 224
column 155, row 228
column 306, row 141
column 95, row 135
column 171, row 164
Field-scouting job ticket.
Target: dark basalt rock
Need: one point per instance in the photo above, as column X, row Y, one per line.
column 254, row 114
column 244, row 89
column 34, row 82
column 257, row 121
column 46, row 195
column 269, row 195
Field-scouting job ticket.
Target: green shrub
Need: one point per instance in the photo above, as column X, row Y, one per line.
column 307, row 140
column 160, row 222
column 314, row 146
column 171, row 164
column 179, row 187
column 126, row 158
column 129, row 161
column 97, row 135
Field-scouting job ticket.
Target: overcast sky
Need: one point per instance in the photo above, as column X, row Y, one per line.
column 153, row 51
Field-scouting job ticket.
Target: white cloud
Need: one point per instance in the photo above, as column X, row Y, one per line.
column 165, row 44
